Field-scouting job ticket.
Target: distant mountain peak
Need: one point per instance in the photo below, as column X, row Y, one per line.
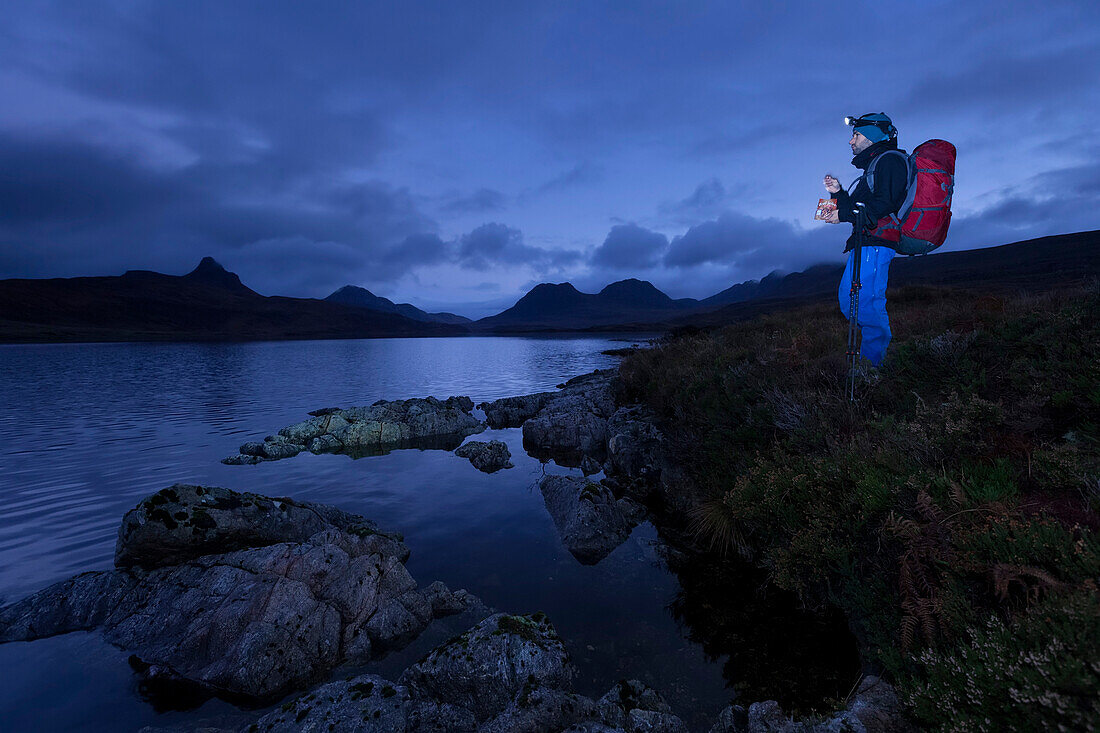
column 210, row 272
column 209, row 264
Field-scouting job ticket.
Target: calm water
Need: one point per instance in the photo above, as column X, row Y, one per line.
column 87, row 430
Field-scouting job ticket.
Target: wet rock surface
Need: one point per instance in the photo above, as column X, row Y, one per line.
column 589, row 519
column 508, row 674
column 512, row 412
column 488, row 457
column 573, row 422
column 386, row 425
column 252, row 598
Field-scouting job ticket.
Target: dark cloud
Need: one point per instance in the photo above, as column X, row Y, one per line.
column 319, row 140
column 630, row 247
column 495, row 244
column 707, row 201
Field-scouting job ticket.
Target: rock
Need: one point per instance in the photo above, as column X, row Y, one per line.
column 634, row 444
column 488, row 457
column 252, row 448
column 732, row 719
column 511, row 412
column 590, row 465
column 768, row 716
column 240, row 594
column 507, row 674
column 874, row 709
column 325, row 444
column 573, row 423
column 484, row 669
column 589, row 520
column 634, row 706
column 186, row 521
column 383, row 426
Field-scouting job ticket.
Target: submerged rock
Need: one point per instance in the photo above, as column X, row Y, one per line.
column 418, row 422
column 240, row 594
column 589, row 519
column 488, row 457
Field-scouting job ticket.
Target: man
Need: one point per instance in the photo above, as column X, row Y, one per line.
column 873, row 140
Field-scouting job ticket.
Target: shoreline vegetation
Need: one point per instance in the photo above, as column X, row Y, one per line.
column 952, row 513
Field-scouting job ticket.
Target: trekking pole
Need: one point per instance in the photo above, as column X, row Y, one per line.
column 853, row 317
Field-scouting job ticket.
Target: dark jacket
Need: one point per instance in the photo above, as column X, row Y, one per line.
column 891, row 179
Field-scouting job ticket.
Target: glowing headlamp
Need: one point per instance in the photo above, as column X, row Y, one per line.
column 885, row 125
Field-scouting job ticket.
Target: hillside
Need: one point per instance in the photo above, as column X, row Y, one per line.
column 952, row 512
column 363, row 298
column 208, row 303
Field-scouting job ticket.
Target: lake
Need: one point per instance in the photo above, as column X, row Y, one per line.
column 89, row 429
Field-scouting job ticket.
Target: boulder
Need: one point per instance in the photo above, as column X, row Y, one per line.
column 512, row 412
column 590, row 521
column 413, row 423
column 508, row 674
column 874, row 709
column 239, row 594
column 573, row 423
column 483, row 669
column 488, row 457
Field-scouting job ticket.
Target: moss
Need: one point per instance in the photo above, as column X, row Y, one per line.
column 201, row 519
column 159, row 515
column 361, row 689
column 523, row 627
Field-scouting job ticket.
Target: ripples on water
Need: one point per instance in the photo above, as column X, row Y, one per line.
column 87, row 430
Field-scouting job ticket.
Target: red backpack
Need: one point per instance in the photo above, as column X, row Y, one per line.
column 921, row 223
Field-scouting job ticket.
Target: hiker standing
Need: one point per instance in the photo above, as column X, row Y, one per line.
column 882, row 191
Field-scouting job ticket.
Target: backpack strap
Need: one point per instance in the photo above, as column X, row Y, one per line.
column 910, row 178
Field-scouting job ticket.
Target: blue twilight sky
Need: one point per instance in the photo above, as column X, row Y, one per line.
column 454, row 154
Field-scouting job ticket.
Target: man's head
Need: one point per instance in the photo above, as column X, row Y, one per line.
column 870, row 129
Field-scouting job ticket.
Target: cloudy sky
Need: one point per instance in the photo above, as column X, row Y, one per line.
column 454, row 154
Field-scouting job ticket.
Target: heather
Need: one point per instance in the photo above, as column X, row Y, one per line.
column 951, row 512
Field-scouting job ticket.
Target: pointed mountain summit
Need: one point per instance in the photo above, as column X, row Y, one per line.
column 210, row 272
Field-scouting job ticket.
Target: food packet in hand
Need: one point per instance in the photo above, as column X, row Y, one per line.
column 825, row 207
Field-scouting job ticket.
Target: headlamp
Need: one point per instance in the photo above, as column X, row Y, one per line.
column 885, row 125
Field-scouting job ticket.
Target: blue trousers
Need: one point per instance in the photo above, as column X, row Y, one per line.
column 872, row 319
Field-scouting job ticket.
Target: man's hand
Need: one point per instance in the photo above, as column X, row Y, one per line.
column 832, row 218
column 832, row 185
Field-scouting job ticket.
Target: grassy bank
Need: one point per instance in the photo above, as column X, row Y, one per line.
column 953, row 512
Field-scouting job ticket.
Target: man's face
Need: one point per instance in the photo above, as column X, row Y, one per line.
column 858, row 143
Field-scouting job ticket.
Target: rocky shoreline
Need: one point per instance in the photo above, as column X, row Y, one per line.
column 253, row 598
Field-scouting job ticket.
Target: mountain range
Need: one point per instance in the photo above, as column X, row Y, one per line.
column 210, row 303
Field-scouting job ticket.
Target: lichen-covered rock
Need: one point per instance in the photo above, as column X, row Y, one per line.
column 573, row 423
column 488, row 457
column 368, row 430
column 511, row 412
column 484, row 669
column 186, row 521
column 269, row 596
column 590, row 521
